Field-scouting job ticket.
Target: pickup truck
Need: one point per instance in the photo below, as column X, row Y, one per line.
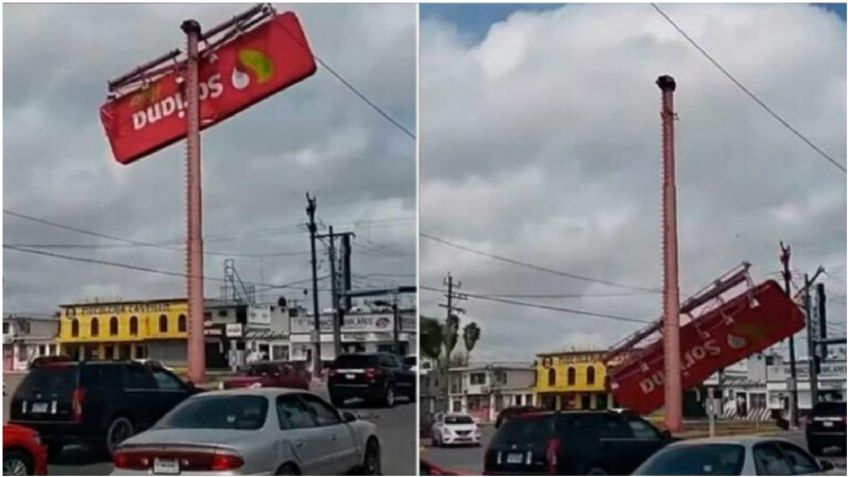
column 271, row 374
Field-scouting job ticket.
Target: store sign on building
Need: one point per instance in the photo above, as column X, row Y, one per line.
column 367, row 323
column 259, row 316
column 114, row 309
column 306, row 324
column 233, row 330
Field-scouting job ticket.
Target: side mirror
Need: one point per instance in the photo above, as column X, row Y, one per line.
column 826, row 465
column 348, row 416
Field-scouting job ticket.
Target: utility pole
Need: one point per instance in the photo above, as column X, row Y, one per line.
column 820, row 299
column 194, row 247
column 811, row 349
column 316, row 355
column 396, row 327
column 346, row 251
column 451, row 308
column 671, row 288
column 785, row 253
column 334, row 293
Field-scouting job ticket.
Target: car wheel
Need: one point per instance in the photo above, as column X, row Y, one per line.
column 596, row 471
column 287, row 469
column 389, row 396
column 16, row 463
column 119, row 430
column 371, row 460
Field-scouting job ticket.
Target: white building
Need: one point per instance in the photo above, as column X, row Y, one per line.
column 484, row 389
column 26, row 338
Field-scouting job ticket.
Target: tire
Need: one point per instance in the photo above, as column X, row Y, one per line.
column 287, row 469
column 119, row 430
column 388, row 399
column 371, row 459
column 595, row 470
column 17, row 462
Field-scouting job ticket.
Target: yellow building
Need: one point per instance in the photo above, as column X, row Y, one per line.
column 126, row 329
column 572, row 380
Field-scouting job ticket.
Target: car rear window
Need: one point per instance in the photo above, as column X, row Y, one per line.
column 218, row 412
column 348, row 361
column 60, row 379
column 830, row 409
column 707, row 459
column 525, row 428
column 263, row 370
column 458, row 420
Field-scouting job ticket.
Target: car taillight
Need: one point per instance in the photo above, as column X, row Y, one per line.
column 226, row 462
column 131, row 460
column 551, row 455
column 372, row 373
column 77, row 400
column 187, row 461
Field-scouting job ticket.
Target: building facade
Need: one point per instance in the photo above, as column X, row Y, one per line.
column 484, row 390
column 26, row 338
column 572, row 380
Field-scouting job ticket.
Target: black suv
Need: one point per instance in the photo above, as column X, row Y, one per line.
column 376, row 377
column 572, row 443
column 511, row 412
column 826, row 426
column 96, row 402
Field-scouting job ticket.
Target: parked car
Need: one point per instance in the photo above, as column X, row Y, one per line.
column 826, row 426
column 270, row 374
column 98, row 402
column 154, row 363
column 572, row 443
column 23, row 453
column 455, row 429
column 514, row 411
column 744, row 455
column 378, row 377
column 267, row 431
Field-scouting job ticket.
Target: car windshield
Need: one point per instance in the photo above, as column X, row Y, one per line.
column 529, row 429
column 218, row 412
column 347, row 361
column 707, row 459
column 458, row 420
column 60, row 379
column 830, row 409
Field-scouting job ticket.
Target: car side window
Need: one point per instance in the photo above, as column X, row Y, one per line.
column 292, row 413
column 642, row 430
column 167, row 381
column 613, row 427
column 103, row 377
column 138, row 377
column 799, row 461
column 324, row 414
column 769, row 460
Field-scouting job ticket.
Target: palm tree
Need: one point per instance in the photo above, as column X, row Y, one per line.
column 470, row 335
column 451, row 333
column 432, row 338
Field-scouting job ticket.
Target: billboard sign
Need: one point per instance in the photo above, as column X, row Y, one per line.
column 259, row 315
column 237, row 74
column 740, row 327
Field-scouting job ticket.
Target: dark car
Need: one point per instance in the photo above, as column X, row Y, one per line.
column 572, row 443
column 100, row 403
column 826, row 426
column 513, row 411
column 270, row 374
column 374, row 377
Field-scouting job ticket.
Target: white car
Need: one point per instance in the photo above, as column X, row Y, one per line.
column 455, row 429
column 739, row 455
column 262, row 431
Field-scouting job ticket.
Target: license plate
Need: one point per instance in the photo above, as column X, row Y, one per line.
column 350, row 376
column 165, row 466
column 39, row 407
column 828, row 424
column 514, row 458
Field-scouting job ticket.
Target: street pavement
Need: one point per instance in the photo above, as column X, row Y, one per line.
column 469, row 460
column 397, row 430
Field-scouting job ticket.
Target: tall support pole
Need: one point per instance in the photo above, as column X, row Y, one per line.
column 334, row 291
column 671, row 290
column 811, row 348
column 396, row 327
column 785, row 254
column 346, row 268
column 196, row 346
column 822, row 307
column 316, row 354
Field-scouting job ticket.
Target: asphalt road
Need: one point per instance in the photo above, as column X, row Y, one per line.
column 397, row 427
column 469, row 460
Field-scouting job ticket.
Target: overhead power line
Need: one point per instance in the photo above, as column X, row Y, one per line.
column 537, row 267
column 544, row 307
column 748, row 91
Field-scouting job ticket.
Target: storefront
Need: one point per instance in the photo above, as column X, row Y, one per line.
column 572, row 380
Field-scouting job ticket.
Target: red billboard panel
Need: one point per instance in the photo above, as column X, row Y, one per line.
column 745, row 325
column 234, row 76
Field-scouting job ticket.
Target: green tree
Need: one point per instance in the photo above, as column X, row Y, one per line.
column 470, row 335
column 432, row 338
column 451, row 334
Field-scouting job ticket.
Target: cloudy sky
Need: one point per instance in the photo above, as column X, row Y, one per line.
column 316, row 136
column 540, row 135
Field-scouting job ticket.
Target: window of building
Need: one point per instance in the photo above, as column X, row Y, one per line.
column 500, row 377
column 163, row 323
column 42, row 350
column 95, row 327
column 457, row 405
column 113, row 326
column 134, row 325
column 182, row 324
column 572, row 376
column 75, row 327
column 222, row 313
column 552, row 377
column 478, row 378
column 6, row 328
column 528, row 399
column 518, row 399
column 590, row 375
column 140, row 352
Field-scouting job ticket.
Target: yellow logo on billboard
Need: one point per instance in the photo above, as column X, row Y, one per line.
column 146, row 96
column 257, row 62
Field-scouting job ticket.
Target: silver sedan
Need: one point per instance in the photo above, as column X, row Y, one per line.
column 262, row 431
column 740, row 455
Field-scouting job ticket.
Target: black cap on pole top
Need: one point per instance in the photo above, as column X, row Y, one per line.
column 190, row 26
column 666, row 83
